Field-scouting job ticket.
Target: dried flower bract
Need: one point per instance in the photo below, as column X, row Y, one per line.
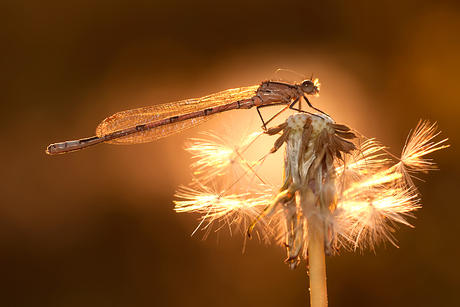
column 349, row 195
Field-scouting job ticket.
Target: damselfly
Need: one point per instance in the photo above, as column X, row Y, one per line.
column 156, row 122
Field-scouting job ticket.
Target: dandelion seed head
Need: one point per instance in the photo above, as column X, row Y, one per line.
column 220, row 155
column 353, row 195
column 363, row 220
column 230, row 210
column 420, row 144
column 368, row 158
column 319, row 122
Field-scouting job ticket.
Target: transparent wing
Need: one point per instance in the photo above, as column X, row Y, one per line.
column 131, row 118
column 159, row 132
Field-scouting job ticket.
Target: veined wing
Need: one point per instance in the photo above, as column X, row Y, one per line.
column 131, row 118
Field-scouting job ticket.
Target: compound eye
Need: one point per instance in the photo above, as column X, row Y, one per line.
column 308, row 87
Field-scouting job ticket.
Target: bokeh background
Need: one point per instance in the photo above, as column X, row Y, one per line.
column 97, row 227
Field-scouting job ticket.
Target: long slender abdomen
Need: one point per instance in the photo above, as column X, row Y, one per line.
column 152, row 123
column 68, row 146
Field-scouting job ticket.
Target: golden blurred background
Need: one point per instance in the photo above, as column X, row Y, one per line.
column 97, row 227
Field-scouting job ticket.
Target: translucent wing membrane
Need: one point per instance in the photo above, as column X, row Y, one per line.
column 132, row 118
column 159, row 132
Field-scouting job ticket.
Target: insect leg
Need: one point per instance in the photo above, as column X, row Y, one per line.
column 311, row 106
column 278, row 113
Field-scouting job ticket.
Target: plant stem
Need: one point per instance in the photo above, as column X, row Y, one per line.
column 317, row 266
